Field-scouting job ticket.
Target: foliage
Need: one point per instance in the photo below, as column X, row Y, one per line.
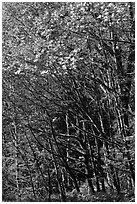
column 68, row 101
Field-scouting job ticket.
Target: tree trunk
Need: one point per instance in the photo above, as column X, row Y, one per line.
column 126, row 89
column 103, row 185
column 17, row 164
column 49, row 186
column 59, row 176
column 116, row 183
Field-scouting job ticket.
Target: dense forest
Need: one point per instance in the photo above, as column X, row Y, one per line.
column 68, row 101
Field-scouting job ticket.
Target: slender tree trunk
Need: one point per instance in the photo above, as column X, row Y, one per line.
column 37, row 163
column 90, row 174
column 74, row 180
column 49, row 186
column 66, row 165
column 67, row 125
column 17, row 164
column 116, row 183
column 103, row 185
column 93, row 163
column 17, row 177
column 31, row 178
column 59, row 176
column 125, row 88
column 88, row 162
column 61, row 185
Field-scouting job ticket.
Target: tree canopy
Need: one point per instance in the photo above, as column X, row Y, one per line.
column 68, row 101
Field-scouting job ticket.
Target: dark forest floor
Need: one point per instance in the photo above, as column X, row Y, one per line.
column 73, row 196
column 103, row 197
